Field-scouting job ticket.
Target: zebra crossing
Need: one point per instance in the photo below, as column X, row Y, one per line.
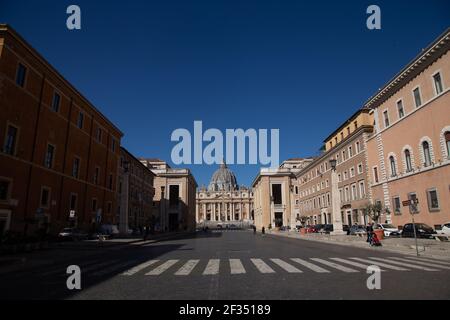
column 236, row 267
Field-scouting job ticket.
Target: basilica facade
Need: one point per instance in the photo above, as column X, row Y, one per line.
column 223, row 200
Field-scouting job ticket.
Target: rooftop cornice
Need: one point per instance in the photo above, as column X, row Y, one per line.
column 433, row 52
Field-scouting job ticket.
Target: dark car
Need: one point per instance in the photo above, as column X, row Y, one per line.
column 357, row 229
column 422, row 231
column 327, row 228
column 72, row 234
column 318, row 227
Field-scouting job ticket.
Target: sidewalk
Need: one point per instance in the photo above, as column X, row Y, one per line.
column 427, row 248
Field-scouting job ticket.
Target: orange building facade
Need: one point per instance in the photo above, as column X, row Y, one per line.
column 409, row 152
column 59, row 155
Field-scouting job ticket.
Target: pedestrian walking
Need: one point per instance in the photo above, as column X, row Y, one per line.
column 369, row 230
column 263, row 231
column 254, row 229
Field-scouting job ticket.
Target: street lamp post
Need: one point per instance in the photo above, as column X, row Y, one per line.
column 336, row 204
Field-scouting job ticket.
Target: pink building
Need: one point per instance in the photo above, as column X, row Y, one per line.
column 409, row 151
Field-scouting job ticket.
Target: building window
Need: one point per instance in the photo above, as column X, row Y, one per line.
column 426, row 153
column 350, row 151
column 417, row 97
column 80, row 120
column 94, row 205
column 111, row 179
column 433, row 200
column 356, row 124
column 339, row 177
column 4, row 189
column 386, row 119
column 11, row 140
column 49, row 155
column 408, row 161
column 438, row 83
column 400, row 109
column 393, row 168
column 342, row 136
column 396, row 204
column 354, row 192
column 76, row 167
column 113, row 145
column 73, row 201
column 99, row 135
column 360, row 168
column 45, row 197
column 362, row 189
column 447, row 143
column 375, row 174
column 352, row 172
column 96, row 175
column 412, row 197
column 21, row 75
column 358, row 147
column 276, row 194
column 56, row 102
column 296, row 190
column 174, row 195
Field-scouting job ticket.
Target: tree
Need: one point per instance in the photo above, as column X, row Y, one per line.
column 374, row 211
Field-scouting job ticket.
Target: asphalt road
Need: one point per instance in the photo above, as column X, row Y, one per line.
column 224, row 265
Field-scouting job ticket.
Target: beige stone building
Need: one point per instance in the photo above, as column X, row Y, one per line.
column 409, row 153
column 347, row 145
column 274, row 195
column 224, row 200
column 174, row 200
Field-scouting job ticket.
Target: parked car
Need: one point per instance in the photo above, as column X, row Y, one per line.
column 387, row 228
column 72, row 234
column 219, row 226
column 232, row 226
column 318, row 227
column 357, row 229
column 445, row 229
column 327, row 228
column 422, row 230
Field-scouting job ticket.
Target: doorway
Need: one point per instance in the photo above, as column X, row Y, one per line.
column 173, row 222
column 278, row 219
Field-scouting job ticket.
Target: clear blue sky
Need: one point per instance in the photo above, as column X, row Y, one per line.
column 154, row 66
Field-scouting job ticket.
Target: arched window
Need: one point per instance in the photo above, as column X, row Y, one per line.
column 447, row 143
column 426, row 153
column 408, row 161
column 393, row 169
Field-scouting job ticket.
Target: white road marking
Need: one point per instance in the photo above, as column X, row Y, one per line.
column 408, row 265
column 212, row 268
column 353, row 263
column 286, row 266
column 334, row 265
column 236, row 266
column 139, row 267
column 158, row 270
column 310, row 265
column 187, row 268
column 380, row 264
column 428, row 260
column 262, row 266
column 428, row 264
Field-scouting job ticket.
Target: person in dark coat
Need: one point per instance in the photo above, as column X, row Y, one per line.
column 369, row 230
